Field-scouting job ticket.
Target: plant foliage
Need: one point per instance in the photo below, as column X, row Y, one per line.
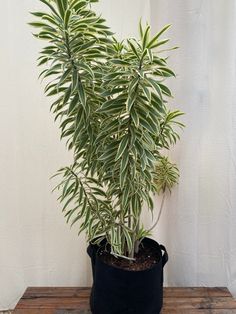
column 111, row 100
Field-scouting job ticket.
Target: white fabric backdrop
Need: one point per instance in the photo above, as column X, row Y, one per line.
column 199, row 224
column 199, row 221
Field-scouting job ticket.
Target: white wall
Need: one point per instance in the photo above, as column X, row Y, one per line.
column 199, row 222
column 36, row 246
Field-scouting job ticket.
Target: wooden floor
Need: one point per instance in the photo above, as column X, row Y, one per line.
column 176, row 301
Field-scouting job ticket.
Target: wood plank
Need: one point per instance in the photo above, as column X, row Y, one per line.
column 73, row 312
column 54, row 303
column 74, row 300
column 51, row 311
column 56, row 292
column 200, row 303
column 205, row 311
column 168, row 292
column 196, row 292
column 34, row 311
column 55, row 298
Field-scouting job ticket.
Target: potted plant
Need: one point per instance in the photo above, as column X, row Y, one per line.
column 111, row 101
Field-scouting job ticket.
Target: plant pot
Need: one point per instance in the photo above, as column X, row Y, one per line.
column 119, row 291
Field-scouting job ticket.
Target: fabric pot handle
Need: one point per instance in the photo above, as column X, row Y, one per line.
column 92, row 253
column 164, row 256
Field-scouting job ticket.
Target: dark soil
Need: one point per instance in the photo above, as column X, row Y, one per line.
column 146, row 258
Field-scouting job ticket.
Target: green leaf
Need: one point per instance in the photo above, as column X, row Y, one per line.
column 125, row 196
column 87, row 45
column 38, row 14
column 53, row 20
column 167, row 71
column 173, row 114
column 88, row 20
column 78, row 4
column 43, row 61
column 165, row 90
column 133, row 49
column 112, row 92
column 73, row 104
column 99, row 191
column 64, row 77
column 82, row 95
column 61, row 8
column 154, row 42
column 119, row 62
column 50, row 6
column 86, row 68
column 156, row 86
column 67, row 95
column 124, row 162
column 140, row 29
column 123, row 179
column 37, row 24
column 113, row 104
column 133, row 84
column 108, row 154
column 146, row 37
column 130, row 101
column 122, row 147
column 146, row 91
column 160, row 43
column 75, row 78
column 112, row 76
column 165, row 28
column 135, row 118
column 148, row 126
column 128, row 240
column 67, row 18
column 65, row 4
column 150, row 55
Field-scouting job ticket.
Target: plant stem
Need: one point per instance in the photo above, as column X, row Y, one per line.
column 159, row 214
column 136, row 246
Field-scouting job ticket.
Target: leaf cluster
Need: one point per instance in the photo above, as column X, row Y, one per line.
column 111, row 100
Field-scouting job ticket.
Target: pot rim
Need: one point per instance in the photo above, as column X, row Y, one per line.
column 154, row 242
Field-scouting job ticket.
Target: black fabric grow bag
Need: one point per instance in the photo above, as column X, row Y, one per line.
column 118, row 291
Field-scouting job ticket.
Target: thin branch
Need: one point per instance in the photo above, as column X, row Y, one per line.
column 159, row 214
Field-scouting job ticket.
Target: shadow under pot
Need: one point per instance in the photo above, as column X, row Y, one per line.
column 121, row 291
